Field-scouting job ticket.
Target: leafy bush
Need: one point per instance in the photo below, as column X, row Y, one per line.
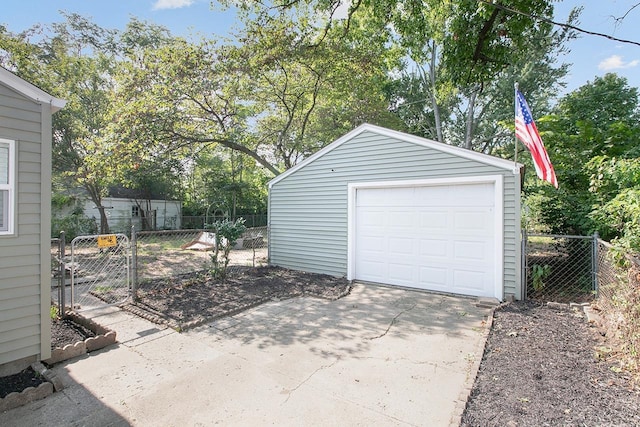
column 226, row 234
column 75, row 224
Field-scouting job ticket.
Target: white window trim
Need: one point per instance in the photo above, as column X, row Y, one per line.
column 11, row 187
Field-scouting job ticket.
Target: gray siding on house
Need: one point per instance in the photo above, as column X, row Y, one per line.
column 21, row 279
column 308, row 208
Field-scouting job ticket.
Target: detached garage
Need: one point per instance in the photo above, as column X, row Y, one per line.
column 386, row 207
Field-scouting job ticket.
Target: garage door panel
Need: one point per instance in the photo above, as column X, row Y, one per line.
column 374, row 271
column 435, row 197
column 372, row 218
column 434, row 219
column 401, row 273
column 433, row 278
column 440, row 237
column 469, row 281
column 476, row 222
column 400, row 246
column 373, row 243
column 464, row 251
column 400, row 218
column 371, row 197
column 434, row 248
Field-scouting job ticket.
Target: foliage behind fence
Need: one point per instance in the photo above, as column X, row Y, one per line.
column 166, row 253
column 559, row 268
column 78, row 225
column 619, row 299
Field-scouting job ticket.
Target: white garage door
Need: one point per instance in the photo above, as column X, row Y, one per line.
column 439, row 238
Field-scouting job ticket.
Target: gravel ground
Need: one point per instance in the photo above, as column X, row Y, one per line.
column 544, row 366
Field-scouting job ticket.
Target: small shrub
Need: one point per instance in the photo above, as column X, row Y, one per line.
column 539, row 275
column 227, row 233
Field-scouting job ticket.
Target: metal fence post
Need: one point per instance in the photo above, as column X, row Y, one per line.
column 134, row 264
column 62, row 275
column 524, row 263
column 595, row 263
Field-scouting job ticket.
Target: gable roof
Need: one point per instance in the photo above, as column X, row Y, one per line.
column 445, row 148
column 30, row 91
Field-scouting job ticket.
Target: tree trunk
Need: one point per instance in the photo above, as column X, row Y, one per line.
column 468, row 135
column 434, row 100
column 96, row 198
column 104, row 223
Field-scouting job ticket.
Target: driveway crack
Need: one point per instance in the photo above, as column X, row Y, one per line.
column 309, row 377
column 395, row 318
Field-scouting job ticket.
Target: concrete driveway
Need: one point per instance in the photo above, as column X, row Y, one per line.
column 380, row 356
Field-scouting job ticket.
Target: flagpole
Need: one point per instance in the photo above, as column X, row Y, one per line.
column 515, row 138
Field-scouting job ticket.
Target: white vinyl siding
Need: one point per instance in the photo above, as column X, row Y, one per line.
column 7, row 185
column 308, row 207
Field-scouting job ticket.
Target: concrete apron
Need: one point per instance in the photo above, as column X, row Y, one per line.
column 380, row 356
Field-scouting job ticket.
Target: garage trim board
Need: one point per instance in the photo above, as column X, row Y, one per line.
column 473, row 265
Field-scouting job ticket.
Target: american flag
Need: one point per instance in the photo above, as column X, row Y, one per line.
column 527, row 132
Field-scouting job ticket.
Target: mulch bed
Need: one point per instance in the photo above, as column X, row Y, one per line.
column 64, row 332
column 545, row 366
column 188, row 300
column 20, row 381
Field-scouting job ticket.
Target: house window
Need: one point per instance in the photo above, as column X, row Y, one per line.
column 135, row 211
column 7, row 185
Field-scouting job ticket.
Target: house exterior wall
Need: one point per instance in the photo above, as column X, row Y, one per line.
column 25, row 281
column 119, row 212
column 308, row 208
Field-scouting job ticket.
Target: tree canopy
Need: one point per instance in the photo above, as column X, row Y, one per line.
column 211, row 120
column 592, row 136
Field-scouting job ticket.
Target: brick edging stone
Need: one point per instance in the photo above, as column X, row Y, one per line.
column 103, row 337
column 31, row 394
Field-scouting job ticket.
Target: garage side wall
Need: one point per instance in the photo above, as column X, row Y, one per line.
column 308, row 209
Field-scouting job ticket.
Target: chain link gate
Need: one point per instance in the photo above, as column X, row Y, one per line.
column 560, row 268
column 100, row 269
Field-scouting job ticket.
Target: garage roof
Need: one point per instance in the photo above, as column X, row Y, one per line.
column 30, row 91
column 366, row 127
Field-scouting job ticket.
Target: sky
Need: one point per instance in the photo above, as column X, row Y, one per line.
column 590, row 55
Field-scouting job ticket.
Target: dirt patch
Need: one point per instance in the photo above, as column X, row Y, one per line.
column 190, row 299
column 546, row 366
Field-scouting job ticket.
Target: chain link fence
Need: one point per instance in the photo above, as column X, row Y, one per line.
column 619, row 299
column 152, row 258
column 560, row 268
column 161, row 255
column 90, row 272
column 123, row 224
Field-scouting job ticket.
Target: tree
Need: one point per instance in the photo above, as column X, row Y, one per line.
column 473, row 113
column 464, row 58
column 76, row 60
column 592, row 138
column 275, row 94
